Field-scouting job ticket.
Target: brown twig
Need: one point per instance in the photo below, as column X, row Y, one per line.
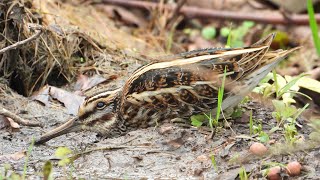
column 18, row 119
column 175, row 13
column 19, row 43
column 195, row 12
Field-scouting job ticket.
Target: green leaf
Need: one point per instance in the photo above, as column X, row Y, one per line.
column 237, row 43
column 281, row 82
column 300, row 111
column 263, row 137
column 208, row 32
column 309, row 83
column 288, row 111
column 64, row 162
column 257, row 129
column 248, row 24
column 274, row 129
column 288, row 100
column 237, row 113
column 267, row 78
column 287, row 86
column 62, row 152
column 243, row 174
column 278, row 105
column 195, row 121
column 47, row 170
column 225, row 31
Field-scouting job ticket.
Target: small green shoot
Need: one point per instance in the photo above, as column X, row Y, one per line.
column 235, row 36
column 313, row 26
column 27, row 159
column 290, row 132
column 251, row 124
column 209, row 32
column 283, row 87
column 214, row 163
column 220, row 94
column 243, row 174
column 262, row 136
column 257, row 128
column 283, row 111
column 213, row 122
column 300, row 111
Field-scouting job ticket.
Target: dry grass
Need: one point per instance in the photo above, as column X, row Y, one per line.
column 75, row 39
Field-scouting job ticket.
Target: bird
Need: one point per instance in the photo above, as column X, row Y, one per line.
column 177, row 86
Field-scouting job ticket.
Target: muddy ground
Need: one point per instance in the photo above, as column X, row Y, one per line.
column 167, row 151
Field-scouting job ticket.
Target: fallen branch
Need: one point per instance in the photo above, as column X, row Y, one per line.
column 195, row 12
column 19, row 43
column 18, row 119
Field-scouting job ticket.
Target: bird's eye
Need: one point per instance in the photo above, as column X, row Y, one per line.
column 101, row 105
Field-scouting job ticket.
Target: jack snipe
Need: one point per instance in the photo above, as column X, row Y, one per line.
column 185, row 85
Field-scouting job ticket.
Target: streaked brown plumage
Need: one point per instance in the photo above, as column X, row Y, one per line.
column 183, row 85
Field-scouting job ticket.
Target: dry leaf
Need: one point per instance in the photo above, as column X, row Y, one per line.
column 70, row 100
column 42, row 95
column 6, row 121
column 13, row 124
column 16, row 156
column 126, row 16
column 84, row 82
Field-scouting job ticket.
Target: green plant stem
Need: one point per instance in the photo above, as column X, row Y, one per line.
column 27, row 159
column 313, row 26
column 251, row 124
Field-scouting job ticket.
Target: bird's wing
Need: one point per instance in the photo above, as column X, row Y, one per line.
column 192, row 79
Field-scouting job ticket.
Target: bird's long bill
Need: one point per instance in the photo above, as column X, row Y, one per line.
column 69, row 126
